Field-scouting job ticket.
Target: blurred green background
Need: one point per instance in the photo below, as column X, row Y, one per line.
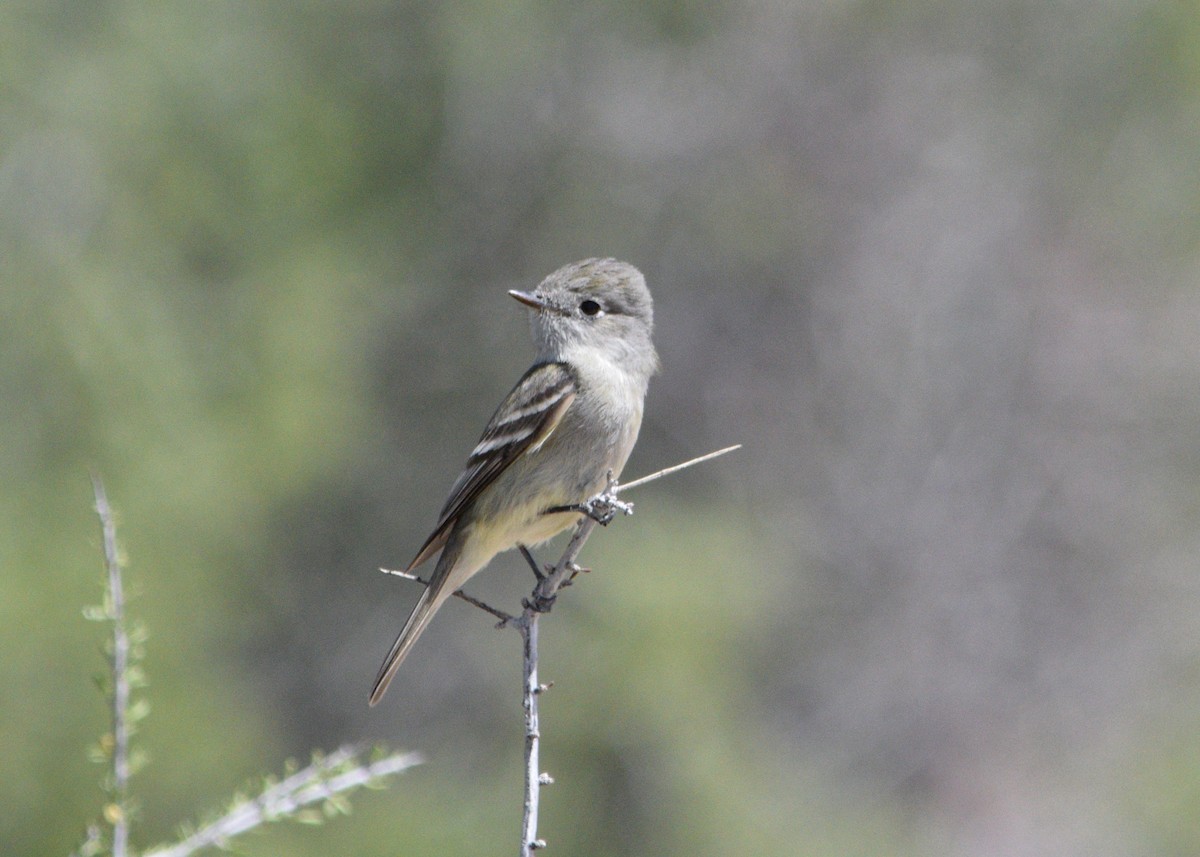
column 934, row 264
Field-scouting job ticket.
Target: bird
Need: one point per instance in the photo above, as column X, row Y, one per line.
column 570, row 421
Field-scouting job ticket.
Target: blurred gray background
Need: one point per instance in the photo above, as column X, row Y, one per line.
column 934, row 264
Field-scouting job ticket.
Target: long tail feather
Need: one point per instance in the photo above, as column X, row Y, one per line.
column 427, row 605
column 447, row 577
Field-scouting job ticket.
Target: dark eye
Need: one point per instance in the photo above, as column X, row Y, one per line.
column 589, row 307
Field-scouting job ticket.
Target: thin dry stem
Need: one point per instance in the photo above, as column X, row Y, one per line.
column 504, row 618
column 667, row 471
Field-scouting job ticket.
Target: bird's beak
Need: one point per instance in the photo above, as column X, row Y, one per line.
column 532, row 300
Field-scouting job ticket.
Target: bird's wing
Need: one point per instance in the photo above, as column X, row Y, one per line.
column 522, row 423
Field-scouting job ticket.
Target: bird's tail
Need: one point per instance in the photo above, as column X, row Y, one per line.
column 440, row 587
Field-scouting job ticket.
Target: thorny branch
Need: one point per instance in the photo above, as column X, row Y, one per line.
column 600, row 509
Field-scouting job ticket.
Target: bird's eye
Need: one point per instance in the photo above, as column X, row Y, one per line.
column 589, row 307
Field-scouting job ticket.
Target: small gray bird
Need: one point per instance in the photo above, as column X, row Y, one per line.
column 572, row 418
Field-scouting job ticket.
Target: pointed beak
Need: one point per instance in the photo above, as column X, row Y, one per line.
column 532, row 300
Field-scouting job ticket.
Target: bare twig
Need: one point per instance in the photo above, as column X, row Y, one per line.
column 667, row 471
column 504, row 618
column 117, row 812
column 324, row 779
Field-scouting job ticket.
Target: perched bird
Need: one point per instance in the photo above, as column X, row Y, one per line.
column 573, row 417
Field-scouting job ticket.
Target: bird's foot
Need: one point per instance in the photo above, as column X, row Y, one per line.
column 602, row 508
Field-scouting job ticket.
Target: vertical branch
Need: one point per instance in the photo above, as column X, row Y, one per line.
column 533, row 774
column 543, row 596
column 598, row 510
column 116, row 813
